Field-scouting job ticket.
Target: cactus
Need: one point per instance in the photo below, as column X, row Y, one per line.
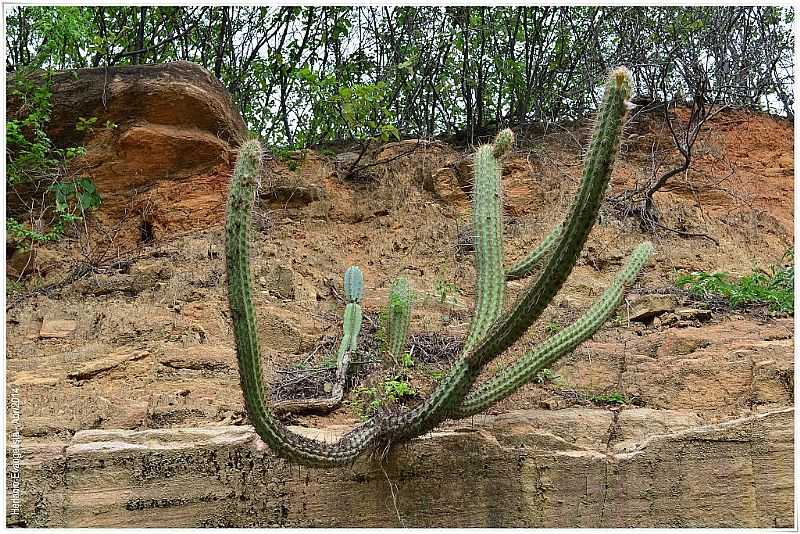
column 353, row 284
column 510, row 379
column 399, row 316
column 525, row 265
column 491, row 332
column 354, row 294
column 351, row 326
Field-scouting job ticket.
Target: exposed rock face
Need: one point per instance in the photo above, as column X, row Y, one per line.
column 160, row 149
column 522, row 469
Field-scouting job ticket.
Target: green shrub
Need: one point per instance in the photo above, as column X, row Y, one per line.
column 32, row 157
column 775, row 290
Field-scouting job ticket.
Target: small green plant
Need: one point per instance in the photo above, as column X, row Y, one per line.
column 614, row 397
column 406, row 360
column 292, row 158
column 436, row 375
column 85, row 125
column 545, row 375
column 775, row 290
column 13, row 286
column 397, row 389
column 552, row 327
column 443, row 289
column 329, row 362
column 367, row 401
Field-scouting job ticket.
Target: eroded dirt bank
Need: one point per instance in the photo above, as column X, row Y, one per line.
column 132, row 415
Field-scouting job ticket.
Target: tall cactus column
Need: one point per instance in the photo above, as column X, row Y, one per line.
column 597, row 169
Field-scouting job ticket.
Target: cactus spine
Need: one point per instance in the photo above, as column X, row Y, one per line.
column 491, row 331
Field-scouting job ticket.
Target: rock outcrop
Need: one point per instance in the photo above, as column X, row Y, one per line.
column 521, row 469
column 159, row 140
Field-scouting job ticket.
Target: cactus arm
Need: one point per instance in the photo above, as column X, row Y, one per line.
column 399, row 316
column 487, row 223
column 525, row 266
column 509, row 380
column 583, row 212
column 283, row 441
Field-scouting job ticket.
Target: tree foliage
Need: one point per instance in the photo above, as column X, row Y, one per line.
column 306, row 75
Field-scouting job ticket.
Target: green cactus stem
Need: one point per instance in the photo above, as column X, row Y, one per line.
column 353, row 284
column 492, row 331
column 399, row 316
column 522, row 371
column 525, row 265
column 583, row 212
column 283, row 441
column 487, row 224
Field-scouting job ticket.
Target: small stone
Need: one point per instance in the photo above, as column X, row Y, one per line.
column 650, row 306
column 100, row 365
column 54, row 328
column 689, row 314
column 32, row 379
column 668, row 319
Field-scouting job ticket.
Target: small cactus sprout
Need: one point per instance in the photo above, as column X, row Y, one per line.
column 399, row 316
column 494, row 328
column 353, row 284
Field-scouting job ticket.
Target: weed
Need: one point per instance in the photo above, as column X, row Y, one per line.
column 292, row 158
column 437, row 375
column 300, row 365
column 552, row 327
column 615, row 397
column 397, row 389
column 406, row 360
column 443, row 289
column 367, row 401
column 546, row 375
column 776, row 290
column 13, row 286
